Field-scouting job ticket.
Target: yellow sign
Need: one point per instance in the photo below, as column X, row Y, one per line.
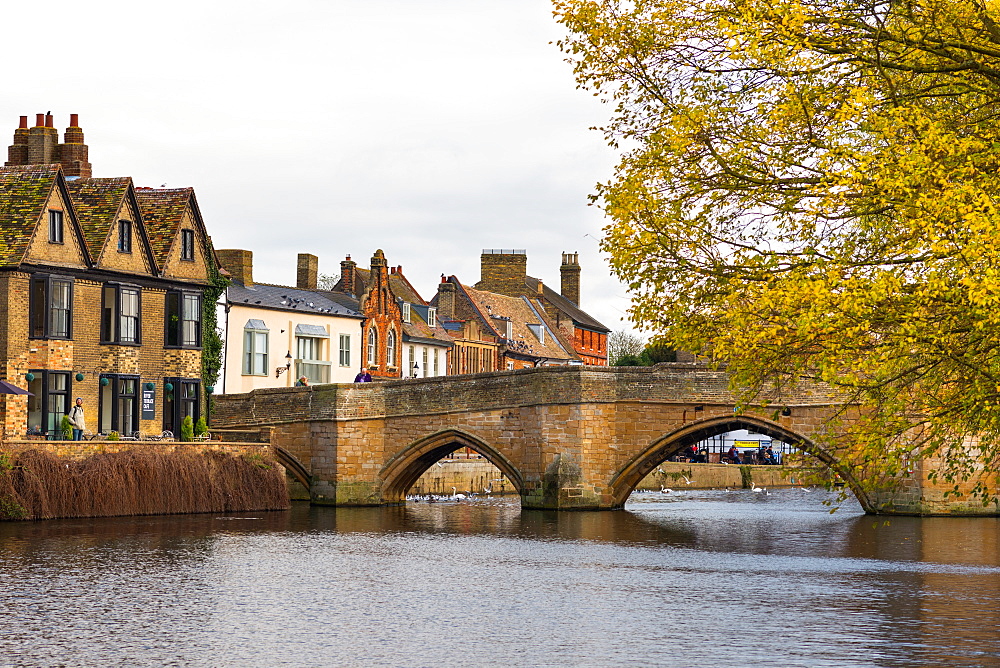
column 747, row 444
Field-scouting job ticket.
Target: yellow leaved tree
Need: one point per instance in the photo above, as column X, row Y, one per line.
column 808, row 190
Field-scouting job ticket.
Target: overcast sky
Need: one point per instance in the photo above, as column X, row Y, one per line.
column 431, row 129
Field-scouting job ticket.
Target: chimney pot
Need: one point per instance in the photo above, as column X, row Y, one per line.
column 39, row 120
column 74, row 120
column 48, row 121
column 24, row 122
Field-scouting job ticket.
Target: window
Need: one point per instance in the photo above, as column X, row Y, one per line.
column 309, row 354
column 390, row 348
column 255, row 342
column 55, row 227
column 124, row 236
column 432, row 317
column 307, row 348
column 345, row 350
column 119, row 405
column 426, row 369
column 372, row 347
column 50, row 401
column 413, row 358
column 436, row 373
column 510, row 330
column 120, row 314
column 187, row 244
column 406, row 312
column 50, row 308
column 183, row 319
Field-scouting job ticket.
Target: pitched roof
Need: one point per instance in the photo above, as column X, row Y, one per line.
column 162, row 212
column 571, row 310
column 418, row 328
column 283, row 298
column 518, row 310
column 97, row 202
column 24, row 190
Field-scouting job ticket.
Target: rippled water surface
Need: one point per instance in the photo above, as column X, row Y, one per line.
column 704, row 578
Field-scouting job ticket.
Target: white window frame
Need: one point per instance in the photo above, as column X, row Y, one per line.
column 407, row 315
column 345, row 350
column 431, row 316
column 372, row 347
column 255, row 361
column 390, row 348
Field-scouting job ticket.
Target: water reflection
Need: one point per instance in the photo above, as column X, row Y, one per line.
column 703, row 578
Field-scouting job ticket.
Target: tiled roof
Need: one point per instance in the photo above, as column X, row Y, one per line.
column 418, row 328
column 162, row 212
column 97, row 202
column 572, row 311
column 402, row 289
column 283, row 298
column 24, row 190
column 500, row 308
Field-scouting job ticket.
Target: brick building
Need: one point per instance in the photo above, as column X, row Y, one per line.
column 505, row 272
column 496, row 332
column 103, row 287
column 402, row 336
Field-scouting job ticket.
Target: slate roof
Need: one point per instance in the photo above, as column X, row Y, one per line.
column 294, row 300
column 162, row 212
column 418, row 328
column 499, row 308
column 97, row 202
column 24, row 190
column 572, row 311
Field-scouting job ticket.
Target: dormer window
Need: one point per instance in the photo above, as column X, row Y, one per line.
column 510, row 330
column 406, row 312
column 432, row 317
column 55, row 227
column 187, row 245
column 124, row 236
column 538, row 331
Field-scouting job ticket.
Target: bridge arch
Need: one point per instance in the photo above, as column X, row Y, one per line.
column 626, row 480
column 293, row 466
column 403, row 470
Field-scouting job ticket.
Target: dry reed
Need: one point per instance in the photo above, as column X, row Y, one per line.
column 38, row 485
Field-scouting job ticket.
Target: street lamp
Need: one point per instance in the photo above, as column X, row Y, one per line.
column 416, row 368
column 288, row 365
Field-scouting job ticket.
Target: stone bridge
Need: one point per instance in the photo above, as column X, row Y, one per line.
column 568, row 437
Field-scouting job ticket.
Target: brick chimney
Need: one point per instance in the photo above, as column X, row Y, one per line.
column 73, row 153
column 307, row 272
column 40, row 145
column 447, row 293
column 347, row 276
column 239, row 264
column 503, row 271
column 17, row 153
column 569, row 273
column 43, row 140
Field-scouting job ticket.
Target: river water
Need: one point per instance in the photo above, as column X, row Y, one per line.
column 699, row 578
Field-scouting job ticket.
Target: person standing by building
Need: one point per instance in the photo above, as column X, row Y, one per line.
column 302, row 382
column 363, row 377
column 77, row 419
